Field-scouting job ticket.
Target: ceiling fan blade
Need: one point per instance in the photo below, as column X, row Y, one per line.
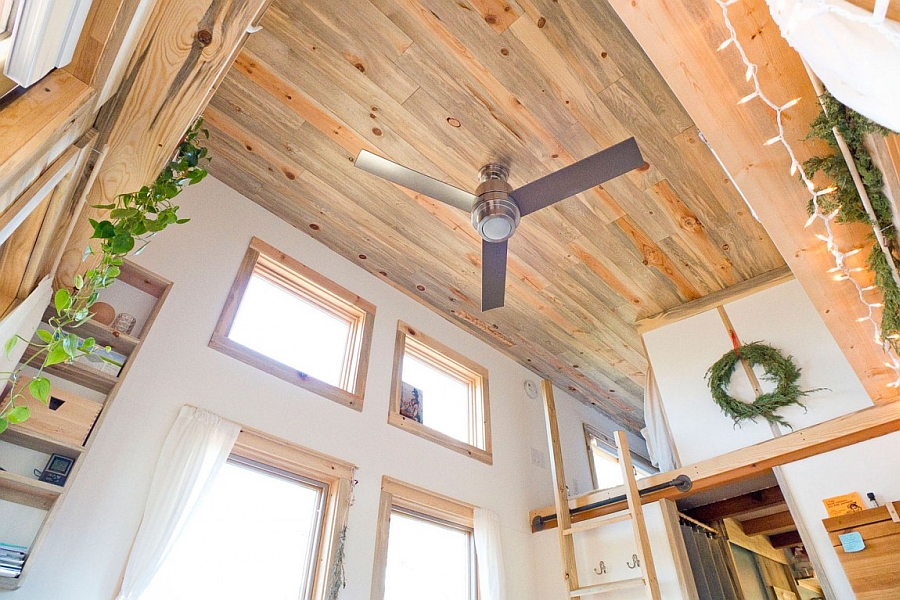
column 583, row 175
column 415, row 181
column 493, row 274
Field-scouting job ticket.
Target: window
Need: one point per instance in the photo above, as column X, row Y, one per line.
column 288, row 320
column 425, row 546
column 264, row 530
column 440, row 395
column 604, row 460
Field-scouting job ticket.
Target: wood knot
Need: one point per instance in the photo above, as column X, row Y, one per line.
column 491, row 20
column 541, row 22
column 204, row 37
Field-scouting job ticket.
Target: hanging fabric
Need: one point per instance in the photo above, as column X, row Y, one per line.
column 656, row 433
column 488, row 554
column 194, row 451
column 856, row 53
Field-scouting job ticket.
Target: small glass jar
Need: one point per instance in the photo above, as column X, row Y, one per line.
column 124, row 323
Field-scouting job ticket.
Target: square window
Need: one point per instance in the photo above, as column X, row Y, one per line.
column 288, row 320
column 425, row 546
column 604, row 460
column 428, row 558
column 254, row 535
column 270, row 526
column 440, row 395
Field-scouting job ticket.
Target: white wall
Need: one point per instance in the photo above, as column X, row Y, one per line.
column 783, row 317
column 84, row 554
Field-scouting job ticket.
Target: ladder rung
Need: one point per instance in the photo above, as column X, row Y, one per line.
column 597, row 522
column 605, row 587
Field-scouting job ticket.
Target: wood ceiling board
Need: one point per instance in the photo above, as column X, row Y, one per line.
column 710, row 84
column 309, row 92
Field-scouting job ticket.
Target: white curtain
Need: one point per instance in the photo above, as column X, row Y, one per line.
column 856, row 53
column 196, row 448
column 656, row 432
column 23, row 320
column 489, row 555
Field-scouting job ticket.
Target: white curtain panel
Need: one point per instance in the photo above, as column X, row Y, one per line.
column 656, row 433
column 23, row 320
column 489, row 555
column 196, row 448
column 856, row 53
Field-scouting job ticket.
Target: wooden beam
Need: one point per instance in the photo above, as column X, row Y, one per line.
column 730, row 294
column 758, row 544
column 738, row 505
column 769, row 524
column 893, row 9
column 785, row 540
column 681, row 39
column 740, row 464
column 184, row 49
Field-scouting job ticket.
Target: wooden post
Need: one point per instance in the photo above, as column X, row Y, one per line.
column 185, row 49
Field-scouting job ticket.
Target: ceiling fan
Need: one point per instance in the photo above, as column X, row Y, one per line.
column 496, row 208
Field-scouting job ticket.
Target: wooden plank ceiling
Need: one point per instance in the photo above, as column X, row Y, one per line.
column 446, row 87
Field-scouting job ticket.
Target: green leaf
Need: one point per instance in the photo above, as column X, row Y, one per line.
column 70, row 344
column 45, row 336
column 103, row 230
column 124, row 213
column 103, row 206
column 10, row 344
column 87, row 345
column 3, row 424
column 61, row 300
column 122, row 243
column 56, row 355
column 113, row 272
column 87, row 252
column 39, row 388
column 182, row 221
column 79, row 282
column 18, row 414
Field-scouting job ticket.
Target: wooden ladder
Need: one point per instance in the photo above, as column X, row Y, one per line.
column 564, row 520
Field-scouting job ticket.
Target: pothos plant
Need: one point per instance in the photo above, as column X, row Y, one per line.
column 132, row 221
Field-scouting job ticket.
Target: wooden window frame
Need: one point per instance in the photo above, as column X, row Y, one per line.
column 638, row 460
column 454, row 364
column 261, row 448
column 276, row 267
column 420, row 502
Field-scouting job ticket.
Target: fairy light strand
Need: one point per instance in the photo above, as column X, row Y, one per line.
column 841, row 270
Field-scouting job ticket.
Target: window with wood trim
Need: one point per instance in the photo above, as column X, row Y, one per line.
column 269, row 527
column 604, row 460
column 440, row 395
column 424, row 546
column 284, row 318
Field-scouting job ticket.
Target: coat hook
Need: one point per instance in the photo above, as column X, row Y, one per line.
column 635, row 560
column 600, row 569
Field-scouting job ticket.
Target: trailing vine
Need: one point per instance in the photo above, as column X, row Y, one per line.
column 779, row 369
column 853, row 127
column 133, row 219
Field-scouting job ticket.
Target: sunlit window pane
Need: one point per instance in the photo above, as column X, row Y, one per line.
column 427, row 561
column 251, row 537
column 607, row 470
column 292, row 331
column 445, row 399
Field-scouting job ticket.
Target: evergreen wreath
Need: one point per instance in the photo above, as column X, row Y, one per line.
column 779, row 369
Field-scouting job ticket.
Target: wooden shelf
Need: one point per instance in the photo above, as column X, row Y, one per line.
column 40, row 442
column 79, row 373
column 103, row 334
column 30, row 492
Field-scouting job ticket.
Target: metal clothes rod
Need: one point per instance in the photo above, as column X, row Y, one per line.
column 682, row 483
column 703, row 526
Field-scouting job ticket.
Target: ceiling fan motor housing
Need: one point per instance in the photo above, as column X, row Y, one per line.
column 495, row 216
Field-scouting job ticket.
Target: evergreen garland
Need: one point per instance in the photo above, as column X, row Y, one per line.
column 778, row 369
column 853, row 127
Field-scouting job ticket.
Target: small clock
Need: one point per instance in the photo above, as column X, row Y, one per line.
column 57, row 469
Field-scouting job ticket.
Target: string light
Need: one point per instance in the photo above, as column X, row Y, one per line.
column 841, row 272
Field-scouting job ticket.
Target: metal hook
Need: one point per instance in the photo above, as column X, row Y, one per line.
column 635, row 560
column 600, row 569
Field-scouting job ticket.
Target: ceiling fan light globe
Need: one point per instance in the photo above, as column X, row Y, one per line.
column 495, row 219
